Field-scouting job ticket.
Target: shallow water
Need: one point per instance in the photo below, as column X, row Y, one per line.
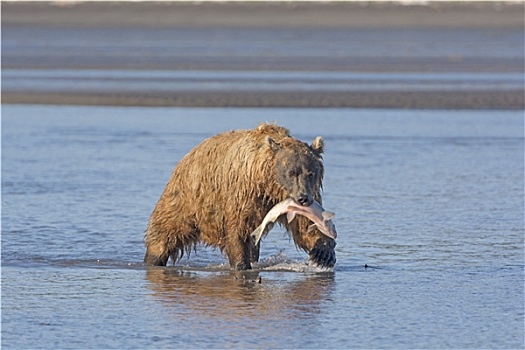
column 430, row 201
column 54, row 46
column 109, row 81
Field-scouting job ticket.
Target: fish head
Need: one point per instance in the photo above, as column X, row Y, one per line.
column 299, row 168
column 331, row 228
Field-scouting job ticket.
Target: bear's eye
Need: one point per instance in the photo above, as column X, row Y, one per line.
column 310, row 175
column 291, row 173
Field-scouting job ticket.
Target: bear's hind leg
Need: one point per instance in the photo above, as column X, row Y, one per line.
column 156, row 257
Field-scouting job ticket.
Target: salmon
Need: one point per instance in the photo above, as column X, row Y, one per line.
column 322, row 220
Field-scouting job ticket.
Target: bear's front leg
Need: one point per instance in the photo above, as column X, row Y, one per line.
column 320, row 248
column 239, row 253
column 323, row 252
column 254, row 250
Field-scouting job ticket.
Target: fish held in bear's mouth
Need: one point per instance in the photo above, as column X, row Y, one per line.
column 322, row 220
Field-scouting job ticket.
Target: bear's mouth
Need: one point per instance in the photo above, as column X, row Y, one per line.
column 303, row 199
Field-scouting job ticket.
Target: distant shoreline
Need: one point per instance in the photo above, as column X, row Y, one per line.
column 314, row 14
column 152, row 20
column 509, row 100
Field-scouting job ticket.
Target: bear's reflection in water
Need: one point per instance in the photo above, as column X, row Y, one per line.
column 241, row 294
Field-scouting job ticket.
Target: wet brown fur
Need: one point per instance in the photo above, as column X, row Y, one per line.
column 221, row 191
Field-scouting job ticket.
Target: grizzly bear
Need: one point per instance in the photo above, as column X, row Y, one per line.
column 222, row 189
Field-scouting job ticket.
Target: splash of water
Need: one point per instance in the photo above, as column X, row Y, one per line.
column 280, row 262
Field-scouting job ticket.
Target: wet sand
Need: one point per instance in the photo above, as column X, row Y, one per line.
column 401, row 99
column 442, row 38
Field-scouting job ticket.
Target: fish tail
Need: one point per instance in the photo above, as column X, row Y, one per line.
column 257, row 233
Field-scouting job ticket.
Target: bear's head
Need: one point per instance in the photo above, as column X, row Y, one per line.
column 299, row 168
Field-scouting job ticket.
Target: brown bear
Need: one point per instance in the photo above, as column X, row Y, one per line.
column 222, row 189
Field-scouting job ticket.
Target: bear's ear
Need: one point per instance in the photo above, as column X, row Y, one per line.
column 318, row 145
column 275, row 146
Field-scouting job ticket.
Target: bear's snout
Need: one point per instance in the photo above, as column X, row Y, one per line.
column 304, row 199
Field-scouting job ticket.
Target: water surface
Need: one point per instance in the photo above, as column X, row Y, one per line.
column 430, row 201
